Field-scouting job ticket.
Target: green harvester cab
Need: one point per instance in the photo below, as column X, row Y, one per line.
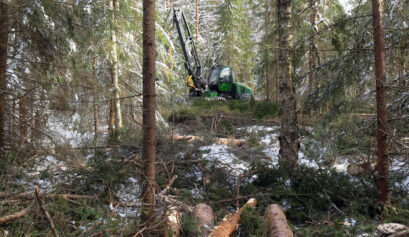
column 221, row 81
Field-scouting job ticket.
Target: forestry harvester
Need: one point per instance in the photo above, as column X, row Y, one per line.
column 220, row 81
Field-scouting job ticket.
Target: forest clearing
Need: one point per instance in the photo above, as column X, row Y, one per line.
column 204, row 118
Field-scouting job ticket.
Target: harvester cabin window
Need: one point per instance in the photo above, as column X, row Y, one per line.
column 213, row 77
column 225, row 75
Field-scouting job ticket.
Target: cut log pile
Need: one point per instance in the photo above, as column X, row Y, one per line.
column 275, row 217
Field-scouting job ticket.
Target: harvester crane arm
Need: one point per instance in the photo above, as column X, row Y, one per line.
column 192, row 62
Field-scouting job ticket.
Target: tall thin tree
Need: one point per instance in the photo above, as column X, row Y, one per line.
column 114, row 69
column 289, row 131
column 149, row 107
column 4, row 35
column 267, row 50
column 95, row 98
column 382, row 130
column 197, row 23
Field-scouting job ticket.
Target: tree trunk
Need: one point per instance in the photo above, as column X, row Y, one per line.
column 149, row 107
column 382, row 131
column 311, row 54
column 114, row 70
column 204, row 214
column 197, row 23
column 277, row 222
column 275, row 46
column 95, row 92
column 267, row 52
column 22, row 116
column 289, row 131
column 4, row 35
column 111, row 117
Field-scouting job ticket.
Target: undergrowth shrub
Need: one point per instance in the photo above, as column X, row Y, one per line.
column 309, row 194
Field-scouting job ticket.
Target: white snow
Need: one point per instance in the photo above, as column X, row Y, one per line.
column 347, row 5
column 222, row 155
column 256, row 128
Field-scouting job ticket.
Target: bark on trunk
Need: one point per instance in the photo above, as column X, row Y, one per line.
column 4, row 35
column 231, row 221
column 111, row 117
column 149, row 107
column 311, row 58
column 204, row 214
column 267, row 54
column 95, row 90
column 114, row 71
column 277, row 81
column 197, row 23
column 22, row 107
column 277, row 222
column 382, row 131
column 289, row 131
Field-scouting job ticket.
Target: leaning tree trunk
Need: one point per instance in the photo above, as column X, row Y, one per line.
column 149, row 104
column 289, row 130
column 382, row 131
column 4, row 35
column 114, row 70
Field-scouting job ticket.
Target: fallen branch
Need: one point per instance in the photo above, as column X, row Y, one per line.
column 100, row 233
column 219, row 140
column 44, row 210
column 277, row 222
column 166, row 189
column 231, row 221
column 15, row 216
column 246, row 118
column 4, row 195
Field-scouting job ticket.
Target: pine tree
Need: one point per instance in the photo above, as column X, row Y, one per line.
column 289, row 131
column 382, row 122
column 149, row 109
column 4, row 35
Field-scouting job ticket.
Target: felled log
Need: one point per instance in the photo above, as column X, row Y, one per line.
column 391, row 228
column 231, row 141
column 204, row 214
column 219, row 140
column 172, row 227
column 14, row 216
column 44, row 210
column 231, row 221
column 277, row 222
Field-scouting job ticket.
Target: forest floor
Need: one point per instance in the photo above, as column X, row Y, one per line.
column 218, row 154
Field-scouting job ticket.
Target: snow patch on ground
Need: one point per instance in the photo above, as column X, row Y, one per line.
column 257, row 128
column 128, row 194
column 222, row 155
column 341, row 166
